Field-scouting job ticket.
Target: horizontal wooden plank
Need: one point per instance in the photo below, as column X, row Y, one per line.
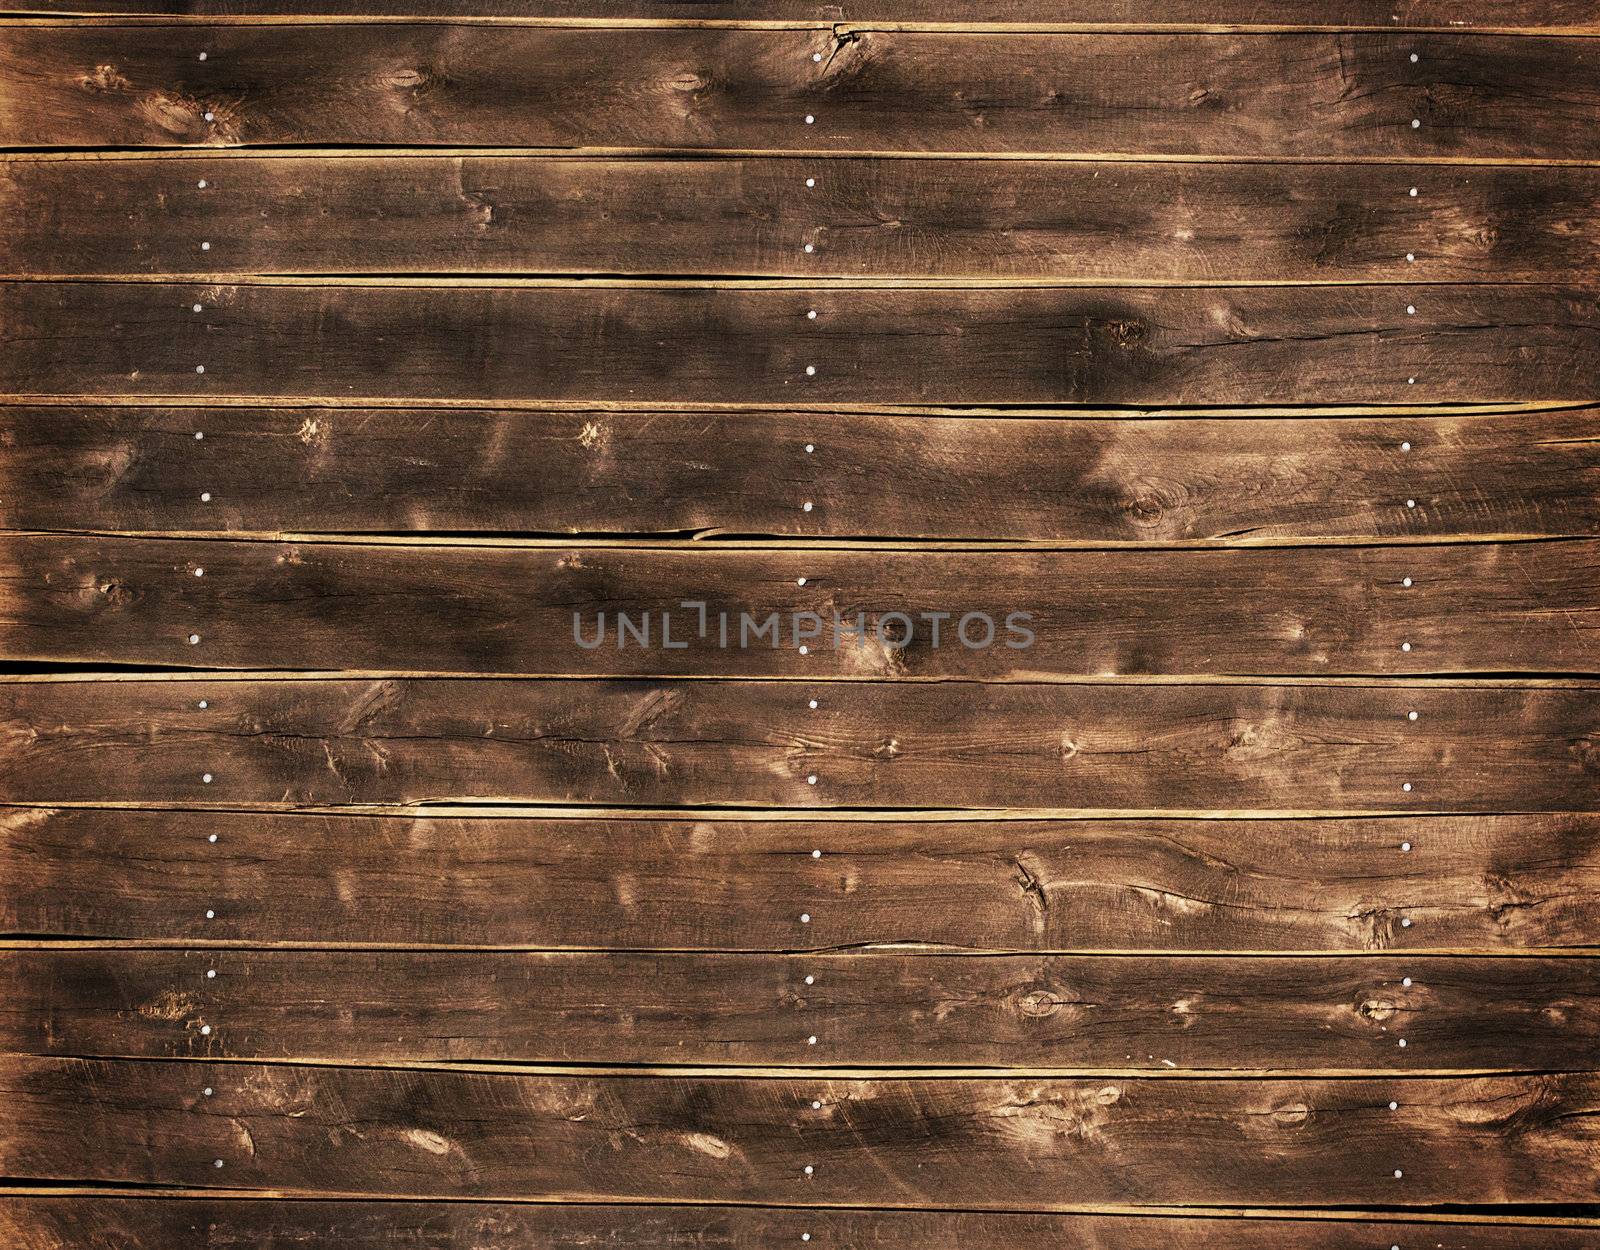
column 1532, row 15
column 640, row 344
column 80, row 1222
column 1240, row 1013
column 990, row 615
column 1278, row 95
column 1082, row 747
column 1021, row 1144
column 1069, row 221
column 1475, row 883
column 1092, row 480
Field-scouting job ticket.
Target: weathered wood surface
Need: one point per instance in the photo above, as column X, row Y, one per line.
column 1240, row 1013
column 1389, row 15
column 1272, row 95
column 1071, row 221
column 1019, row 1144
column 156, row 1223
column 641, row 344
column 1091, row 480
column 675, row 611
column 1498, row 883
column 1081, row 747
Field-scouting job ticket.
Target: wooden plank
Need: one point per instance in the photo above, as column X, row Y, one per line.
column 1392, row 15
column 989, row 615
column 1071, row 221
column 1497, row 883
column 1114, row 1013
column 79, row 1222
column 1278, row 95
column 1020, row 1144
column 642, row 345
column 1093, row 480
column 1079, row 747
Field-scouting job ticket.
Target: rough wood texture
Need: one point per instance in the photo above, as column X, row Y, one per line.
column 988, row 615
column 1499, row 883
column 816, row 1010
column 1020, row 1144
column 1228, row 480
column 1390, row 15
column 146, row 1223
column 726, row 345
column 1067, row 220
column 1277, row 95
column 1116, row 747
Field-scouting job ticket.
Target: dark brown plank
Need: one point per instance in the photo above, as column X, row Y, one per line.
column 1498, row 883
column 1575, row 15
column 1236, row 1013
column 640, row 344
column 146, row 1223
column 1073, row 221
column 1081, row 747
column 1278, row 95
column 1021, row 1144
column 1092, row 480
column 990, row 615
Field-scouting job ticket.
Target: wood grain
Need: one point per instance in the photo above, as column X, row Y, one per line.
column 1020, row 1144
column 815, row 1010
column 1391, row 15
column 1083, row 747
column 643, row 345
column 1500, row 883
column 1275, row 95
column 990, row 615
column 1069, row 221
column 1232, row 479
column 157, row 1223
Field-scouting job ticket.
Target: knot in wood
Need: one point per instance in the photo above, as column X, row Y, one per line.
column 1041, row 1004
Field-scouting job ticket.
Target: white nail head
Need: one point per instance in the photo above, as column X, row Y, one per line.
column 810, row 448
column 811, row 980
column 1411, row 310
column 816, row 854
column 816, row 56
column 198, row 435
column 805, row 917
column 206, row 777
column 205, row 1030
column 1405, row 981
column 1413, row 192
column 1401, row 1043
column 199, row 368
column 811, row 1041
column 212, row 838
column 816, row 1105
column 1411, row 257
column 1405, row 446
column 205, row 496
column 194, row 639
column 216, row 1163
column 202, row 56
column 196, row 308
column 211, row 117
column 809, row 1168
column 1406, row 582
column 1398, row 1174
column 201, row 184
column 807, row 506
column 811, row 314
column 1405, row 922
column 203, row 704
column 810, row 119
column 799, row 581
column 811, row 182
column 811, row 779
column 804, row 650
column 1413, row 58
column 1406, row 787
column 811, row 371
column 210, row 915
column 1411, row 716
column 812, row 705
column 208, row 1091
column 1394, row 1106
column 1416, row 123
column 1405, row 646
column 1405, row 846
column 205, row 247
column 1411, row 503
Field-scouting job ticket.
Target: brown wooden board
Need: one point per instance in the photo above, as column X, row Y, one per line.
column 158, row 1223
column 1021, row 1143
column 643, row 345
column 1393, row 15
column 1499, row 883
column 1239, row 1013
column 1071, row 221
column 876, row 475
column 1274, row 95
column 1082, row 747
column 991, row 615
